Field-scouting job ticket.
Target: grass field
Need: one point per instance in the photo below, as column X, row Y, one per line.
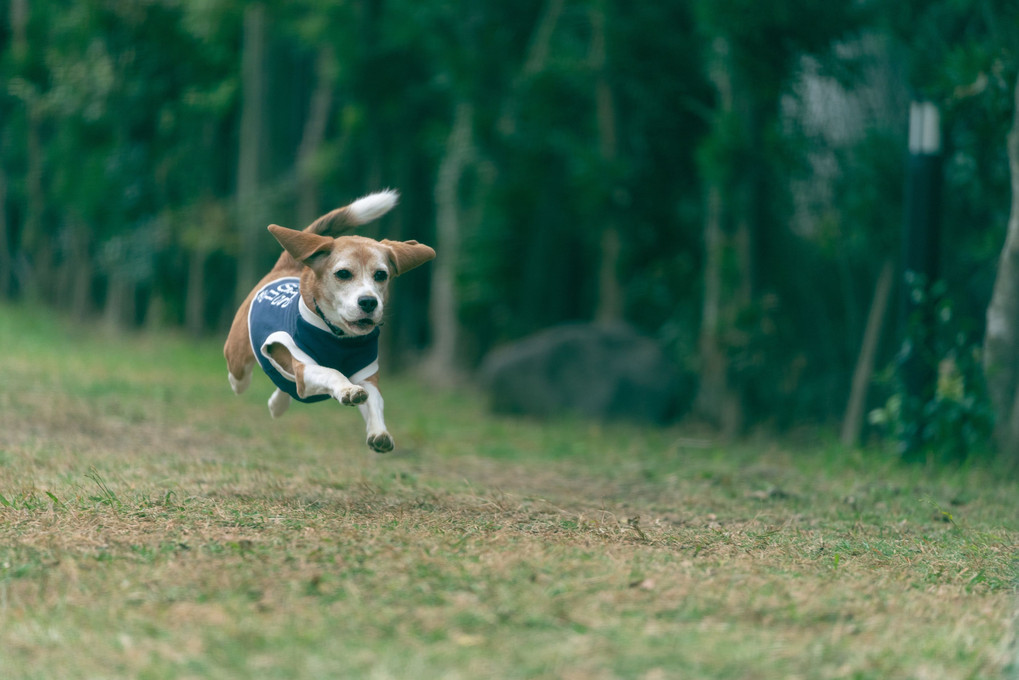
column 153, row 525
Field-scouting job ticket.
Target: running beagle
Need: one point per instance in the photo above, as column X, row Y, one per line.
column 312, row 323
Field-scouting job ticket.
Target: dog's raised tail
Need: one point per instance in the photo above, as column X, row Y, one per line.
column 361, row 211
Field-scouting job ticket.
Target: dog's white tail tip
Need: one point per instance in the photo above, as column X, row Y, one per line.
column 372, row 206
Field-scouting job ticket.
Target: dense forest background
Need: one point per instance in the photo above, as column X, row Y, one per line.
column 729, row 176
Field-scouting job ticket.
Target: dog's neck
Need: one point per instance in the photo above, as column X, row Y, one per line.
column 336, row 330
column 314, row 316
column 310, row 309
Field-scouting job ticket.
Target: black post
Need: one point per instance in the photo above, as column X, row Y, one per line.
column 920, row 245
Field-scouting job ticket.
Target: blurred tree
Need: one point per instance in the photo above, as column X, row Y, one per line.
column 6, row 256
column 441, row 362
column 313, row 136
column 963, row 56
column 753, row 54
column 459, row 210
column 112, row 147
column 609, row 307
column 1001, row 344
column 252, row 148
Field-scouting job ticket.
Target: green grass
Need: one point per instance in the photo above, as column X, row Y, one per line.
column 154, row 525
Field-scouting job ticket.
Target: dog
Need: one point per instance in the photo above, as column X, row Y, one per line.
column 312, row 323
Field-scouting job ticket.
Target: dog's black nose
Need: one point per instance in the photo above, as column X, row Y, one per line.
column 367, row 303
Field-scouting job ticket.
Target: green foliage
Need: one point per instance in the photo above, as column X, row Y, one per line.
column 767, row 39
column 119, row 160
column 955, row 44
column 939, row 407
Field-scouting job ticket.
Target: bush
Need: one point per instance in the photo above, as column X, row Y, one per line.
column 938, row 408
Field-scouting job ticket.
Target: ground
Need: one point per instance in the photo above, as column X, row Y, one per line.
column 154, row 525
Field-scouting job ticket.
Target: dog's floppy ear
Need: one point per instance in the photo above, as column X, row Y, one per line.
column 405, row 255
column 302, row 246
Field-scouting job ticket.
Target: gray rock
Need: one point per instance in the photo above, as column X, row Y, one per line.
column 603, row 372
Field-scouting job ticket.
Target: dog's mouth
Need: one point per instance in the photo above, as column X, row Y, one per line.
column 365, row 324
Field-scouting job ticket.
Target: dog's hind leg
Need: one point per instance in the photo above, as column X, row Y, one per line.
column 240, row 384
column 279, row 402
column 240, row 358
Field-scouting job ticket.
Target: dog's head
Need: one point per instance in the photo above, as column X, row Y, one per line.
column 349, row 275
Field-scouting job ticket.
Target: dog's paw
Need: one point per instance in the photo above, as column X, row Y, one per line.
column 238, row 386
column 381, row 443
column 353, row 395
column 278, row 403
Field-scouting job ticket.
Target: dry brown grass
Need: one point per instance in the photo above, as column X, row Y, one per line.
column 154, row 526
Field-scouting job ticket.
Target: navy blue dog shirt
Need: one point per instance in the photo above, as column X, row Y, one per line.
column 279, row 315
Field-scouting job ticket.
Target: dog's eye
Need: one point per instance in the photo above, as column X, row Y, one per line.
column 343, row 274
column 381, row 275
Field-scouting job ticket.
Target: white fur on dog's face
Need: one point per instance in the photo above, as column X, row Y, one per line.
column 352, row 284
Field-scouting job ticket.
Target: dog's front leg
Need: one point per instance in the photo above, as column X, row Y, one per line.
column 313, row 380
column 379, row 438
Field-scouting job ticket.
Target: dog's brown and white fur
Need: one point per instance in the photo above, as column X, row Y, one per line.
column 345, row 278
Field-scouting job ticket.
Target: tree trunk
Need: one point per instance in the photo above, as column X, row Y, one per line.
column 853, row 419
column 19, row 12
column 610, row 289
column 451, row 219
column 714, row 366
column 537, row 58
column 18, row 21
column 194, row 297
column 308, row 207
column 6, row 256
column 120, row 308
column 1001, row 342
column 251, row 153
column 37, row 244
column 81, row 263
column 718, row 400
column 444, row 305
column 443, row 312
column 73, row 275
